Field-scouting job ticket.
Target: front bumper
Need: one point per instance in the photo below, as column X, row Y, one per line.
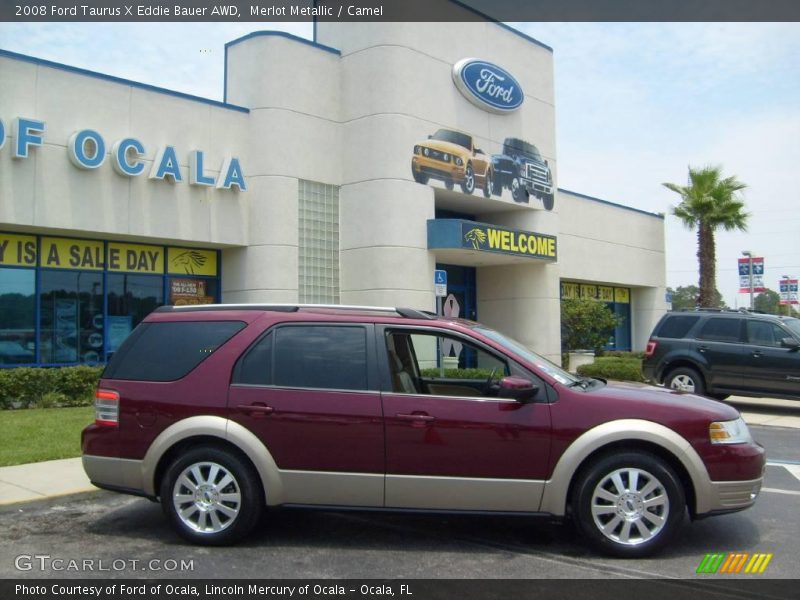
column 731, row 496
column 438, row 169
column 535, row 187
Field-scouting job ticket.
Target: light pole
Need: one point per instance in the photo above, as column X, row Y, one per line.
column 749, row 256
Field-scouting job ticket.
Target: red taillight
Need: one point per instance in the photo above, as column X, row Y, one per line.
column 650, row 349
column 106, row 408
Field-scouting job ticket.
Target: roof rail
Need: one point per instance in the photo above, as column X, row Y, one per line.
column 408, row 313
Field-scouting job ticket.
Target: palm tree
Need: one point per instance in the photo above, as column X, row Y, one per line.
column 708, row 203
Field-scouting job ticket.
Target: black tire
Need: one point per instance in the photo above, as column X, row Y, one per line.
column 548, row 201
column 488, row 184
column 419, row 177
column 468, row 185
column 227, row 518
column 685, row 379
column 718, row 396
column 518, row 192
column 448, row 183
column 614, row 520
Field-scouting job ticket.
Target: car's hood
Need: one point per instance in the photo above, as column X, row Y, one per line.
column 444, row 146
column 674, row 400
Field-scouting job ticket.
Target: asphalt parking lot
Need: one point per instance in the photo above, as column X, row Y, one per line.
column 129, row 537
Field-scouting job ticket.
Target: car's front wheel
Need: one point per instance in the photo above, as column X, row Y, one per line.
column 518, row 193
column 468, row 185
column 212, row 496
column 629, row 504
column 488, row 185
column 685, row 379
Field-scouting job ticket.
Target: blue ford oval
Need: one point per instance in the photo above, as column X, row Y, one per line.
column 487, row 86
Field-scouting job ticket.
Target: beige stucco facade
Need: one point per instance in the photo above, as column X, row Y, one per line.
column 349, row 111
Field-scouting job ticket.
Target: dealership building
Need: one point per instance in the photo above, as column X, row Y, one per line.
column 348, row 169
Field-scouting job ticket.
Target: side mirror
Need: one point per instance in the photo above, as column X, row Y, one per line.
column 517, row 388
column 546, row 164
column 478, row 151
column 790, row 342
column 430, row 136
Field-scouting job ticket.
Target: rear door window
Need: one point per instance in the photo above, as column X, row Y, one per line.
column 718, row 329
column 330, row 357
column 677, row 326
column 168, row 350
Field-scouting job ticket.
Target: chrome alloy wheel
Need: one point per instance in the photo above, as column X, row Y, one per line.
column 206, row 497
column 630, row 506
column 683, row 383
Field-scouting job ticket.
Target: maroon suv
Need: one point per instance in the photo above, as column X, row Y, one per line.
column 223, row 411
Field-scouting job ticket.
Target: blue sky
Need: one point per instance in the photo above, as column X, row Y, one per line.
column 636, row 103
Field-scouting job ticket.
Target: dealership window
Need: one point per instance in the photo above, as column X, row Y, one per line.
column 17, row 316
column 71, row 317
column 131, row 298
column 318, row 253
column 70, row 301
column 617, row 299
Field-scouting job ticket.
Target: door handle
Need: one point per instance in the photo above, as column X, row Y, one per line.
column 756, row 354
column 256, row 410
column 702, row 348
column 415, row 417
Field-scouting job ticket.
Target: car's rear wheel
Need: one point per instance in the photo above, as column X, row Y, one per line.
column 629, row 504
column 211, row 496
column 685, row 379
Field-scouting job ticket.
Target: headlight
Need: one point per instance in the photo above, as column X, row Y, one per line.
column 459, row 161
column 446, row 157
column 425, row 151
column 729, row 432
column 416, row 149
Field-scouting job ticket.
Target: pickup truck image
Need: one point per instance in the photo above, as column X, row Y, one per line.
column 452, row 157
column 522, row 169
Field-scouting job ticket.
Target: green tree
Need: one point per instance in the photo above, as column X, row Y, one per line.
column 769, row 302
column 708, row 203
column 586, row 324
column 684, row 297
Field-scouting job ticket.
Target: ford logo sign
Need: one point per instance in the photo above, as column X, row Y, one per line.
column 487, row 86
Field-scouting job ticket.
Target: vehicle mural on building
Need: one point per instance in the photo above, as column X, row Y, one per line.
column 452, row 157
column 521, row 169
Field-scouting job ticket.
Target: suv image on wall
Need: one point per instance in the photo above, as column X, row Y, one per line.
column 522, row 169
column 452, row 157
column 222, row 412
column 718, row 353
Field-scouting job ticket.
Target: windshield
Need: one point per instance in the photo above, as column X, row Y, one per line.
column 454, row 137
column 523, row 147
column 794, row 325
column 539, row 362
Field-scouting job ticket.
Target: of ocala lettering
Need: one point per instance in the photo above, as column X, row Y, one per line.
column 88, row 150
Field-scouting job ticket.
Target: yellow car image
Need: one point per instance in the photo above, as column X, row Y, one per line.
column 452, row 157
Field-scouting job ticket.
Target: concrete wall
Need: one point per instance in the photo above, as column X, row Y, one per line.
column 45, row 191
column 614, row 245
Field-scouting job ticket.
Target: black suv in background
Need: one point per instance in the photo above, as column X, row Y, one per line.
column 718, row 353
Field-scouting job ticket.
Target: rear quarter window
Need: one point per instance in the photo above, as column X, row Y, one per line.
column 166, row 351
column 677, row 326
